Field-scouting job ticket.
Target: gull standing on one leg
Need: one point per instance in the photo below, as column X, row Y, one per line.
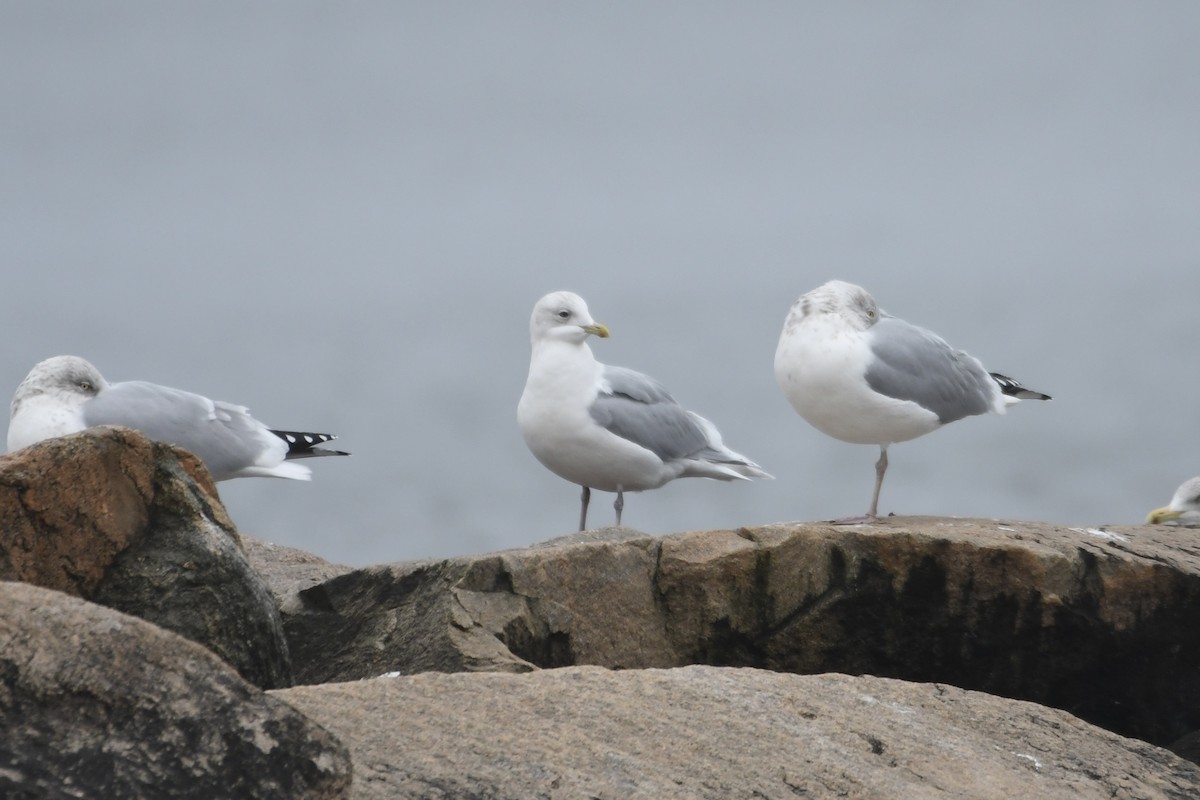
column 860, row 375
column 609, row 428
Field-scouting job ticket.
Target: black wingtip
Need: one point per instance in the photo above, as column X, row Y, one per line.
column 1013, row 388
column 303, row 444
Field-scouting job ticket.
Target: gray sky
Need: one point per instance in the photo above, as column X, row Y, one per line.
column 342, row 214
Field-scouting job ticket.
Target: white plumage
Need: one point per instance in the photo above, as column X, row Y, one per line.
column 860, row 375
column 66, row 394
column 609, row 428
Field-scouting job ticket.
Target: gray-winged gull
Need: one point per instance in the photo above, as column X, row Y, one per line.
column 66, row 394
column 860, row 375
column 1185, row 502
column 609, row 428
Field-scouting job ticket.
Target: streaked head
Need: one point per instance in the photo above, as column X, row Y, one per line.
column 563, row 316
column 65, row 376
column 50, row 401
column 851, row 303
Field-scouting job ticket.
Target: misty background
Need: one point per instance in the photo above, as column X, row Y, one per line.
column 341, row 215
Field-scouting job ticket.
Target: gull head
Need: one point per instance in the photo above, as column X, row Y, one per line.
column 846, row 299
column 837, row 301
column 50, row 401
column 70, row 380
column 1185, row 501
column 563, row 316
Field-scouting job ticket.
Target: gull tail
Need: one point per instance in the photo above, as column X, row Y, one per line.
column 746, row 469
column 302, row 444
column 1014, row 391
column 719, row 461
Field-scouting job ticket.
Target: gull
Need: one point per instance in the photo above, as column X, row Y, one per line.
column 1185, row 502
column 860, row 375
column 66, row 394
column 609, row 428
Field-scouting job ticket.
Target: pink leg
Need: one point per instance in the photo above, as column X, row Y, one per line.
column 873, row 514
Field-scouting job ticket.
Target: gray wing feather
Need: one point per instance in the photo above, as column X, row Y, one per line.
column 636, row 386
column 640, row 409
column 914, row 364
column 226, row 441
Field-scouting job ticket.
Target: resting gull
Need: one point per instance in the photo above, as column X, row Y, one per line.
column 66, row 394
column 860, row 375
column 609, row 428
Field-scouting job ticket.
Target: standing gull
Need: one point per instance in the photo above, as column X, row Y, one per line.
column 859, row 374
column 66, row 394
column 609, row 428
column 1185, row 503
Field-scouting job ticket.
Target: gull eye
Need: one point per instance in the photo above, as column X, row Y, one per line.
column 86, row 386
column 564, row 314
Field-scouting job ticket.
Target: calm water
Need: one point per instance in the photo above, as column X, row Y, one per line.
column 341, row 216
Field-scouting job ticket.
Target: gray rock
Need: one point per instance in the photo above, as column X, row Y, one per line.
column 98, row 704
column 408, row 617
column 287, row 571
column 1099, row 623
column 707, row 732
column 138, row 526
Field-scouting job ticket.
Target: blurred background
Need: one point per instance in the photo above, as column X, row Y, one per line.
column 341, row 215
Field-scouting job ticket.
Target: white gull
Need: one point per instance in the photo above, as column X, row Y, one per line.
column 1184, row 506
column 66, row 394
column 860, row 375
column 609, row 428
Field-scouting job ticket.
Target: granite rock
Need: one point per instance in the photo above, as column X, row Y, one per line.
column 138, row 526
column 97, row 703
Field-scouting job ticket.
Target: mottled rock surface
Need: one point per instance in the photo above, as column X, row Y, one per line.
column 287, row 571
column 1100, row 623
column 708, row 732
column 138, row 526
column 99, row 704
